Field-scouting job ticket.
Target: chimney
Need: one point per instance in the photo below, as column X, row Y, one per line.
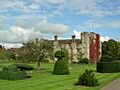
column 73, row 38
column 55, row 37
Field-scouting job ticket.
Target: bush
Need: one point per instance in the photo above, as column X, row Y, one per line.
column 106, row 58
column 15, row 72
column 61, row 68
column 84, row 61
column 88, row 79
column 108, row 67
column 60, row 54
column 16, row 75
column 10, row 68
column 22, row 66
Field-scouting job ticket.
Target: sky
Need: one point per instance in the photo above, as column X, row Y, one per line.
column 25, row 20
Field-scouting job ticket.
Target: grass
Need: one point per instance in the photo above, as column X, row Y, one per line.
column 45, row 80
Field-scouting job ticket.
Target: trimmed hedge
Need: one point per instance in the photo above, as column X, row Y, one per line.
column 22, row 66
column 15, row 72
column 10, row 68
column 17, row 75
column 61, row 68
column 108, row 67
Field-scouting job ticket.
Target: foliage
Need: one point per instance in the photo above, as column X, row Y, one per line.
column 111, row 48
column 88, row 79
column 10, row 55
column 10, row 75
column 66, row 58
column 60, row 54
column 2, row 56
column 10, row 68
column 106, row 58
column 108, row 67
column 61, row 68
column 36, row 52
column 22, row 66
column 84, row 61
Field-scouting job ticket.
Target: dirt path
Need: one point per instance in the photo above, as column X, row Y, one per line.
column 114, row 85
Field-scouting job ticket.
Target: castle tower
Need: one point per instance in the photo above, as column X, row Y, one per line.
column 91, row 47
column 85, row 44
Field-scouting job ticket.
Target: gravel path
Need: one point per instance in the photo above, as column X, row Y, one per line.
column 114, row 85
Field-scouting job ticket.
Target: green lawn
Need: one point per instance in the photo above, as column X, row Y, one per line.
column 45, row 80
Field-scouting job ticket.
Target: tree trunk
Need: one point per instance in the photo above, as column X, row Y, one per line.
column 38, row 65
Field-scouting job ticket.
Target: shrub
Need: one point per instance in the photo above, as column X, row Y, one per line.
column 61, row 68
column 88, row 79
column 22, row 66
column 15, row 72
column 84, row 61
column 108, row 67
column 59, row 54
column 10, row 68
column 106, row 58
column 10, row 75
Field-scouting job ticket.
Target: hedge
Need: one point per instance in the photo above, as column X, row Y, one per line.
column 17, row 75
column 108, row 67
column 15, row 72
column 23, row 66
column 10, row 68
column 61, row 68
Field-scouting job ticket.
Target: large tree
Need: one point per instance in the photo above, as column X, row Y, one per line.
column 111, row 48
column 38, row 52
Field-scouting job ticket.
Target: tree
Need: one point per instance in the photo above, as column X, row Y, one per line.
column 38, row 52
column 10, row 54
column 111, row 48
column 80, row 56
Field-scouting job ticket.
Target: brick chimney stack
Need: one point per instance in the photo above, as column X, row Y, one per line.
column 73, row 38
column 55, row 37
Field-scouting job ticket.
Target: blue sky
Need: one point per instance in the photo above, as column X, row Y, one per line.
column 24, row 20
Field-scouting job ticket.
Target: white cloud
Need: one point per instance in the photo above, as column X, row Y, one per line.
column 77, row 34
column 11, row 45
column 102, row 39
column 92, row 25
column 47, row 27
column 18, row 34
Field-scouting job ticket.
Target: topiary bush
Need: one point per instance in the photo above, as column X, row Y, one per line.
column 84, row 61
column 60, row 55
column 10, row 68
column 61, row 68
column 10, row 75
column 22, row 66
column 15, row 72
column 88, row 79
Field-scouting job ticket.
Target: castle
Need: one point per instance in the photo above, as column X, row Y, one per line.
column 89, row 46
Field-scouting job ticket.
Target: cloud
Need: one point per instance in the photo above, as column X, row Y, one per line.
column 91, row 25
column 11, row 45
column 54, row 28
column 18, row 34
column 102, row 39
column 77, row 34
